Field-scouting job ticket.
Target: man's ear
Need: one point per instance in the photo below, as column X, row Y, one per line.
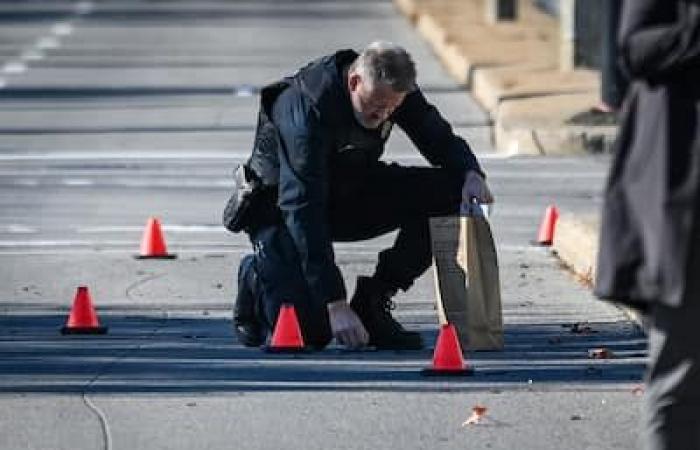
column 354, row 80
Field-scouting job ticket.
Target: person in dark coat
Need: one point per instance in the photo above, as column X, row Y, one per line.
column 318, row 178
column 649, row 254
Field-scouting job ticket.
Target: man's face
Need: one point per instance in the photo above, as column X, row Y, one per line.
column 372, row 104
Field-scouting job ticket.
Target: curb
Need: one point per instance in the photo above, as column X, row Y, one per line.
column 576, row 245
column 514, row 78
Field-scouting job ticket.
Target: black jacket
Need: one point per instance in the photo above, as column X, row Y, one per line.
column 309, row 145
column 650, row 236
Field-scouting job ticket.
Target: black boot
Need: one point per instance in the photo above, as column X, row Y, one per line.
column 372, row 303
column 246, row 326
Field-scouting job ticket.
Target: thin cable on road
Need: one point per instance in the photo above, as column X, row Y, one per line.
column 138, row 283
column 104, row 424
column 102, row 417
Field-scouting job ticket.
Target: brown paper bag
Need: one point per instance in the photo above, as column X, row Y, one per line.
column 466, row 280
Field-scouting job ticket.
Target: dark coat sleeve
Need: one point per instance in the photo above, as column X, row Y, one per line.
column 303, row 193
column 433, row 136
column 658, row 38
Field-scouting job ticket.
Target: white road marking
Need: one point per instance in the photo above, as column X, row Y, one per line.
column 62, row 29
column 77, row 182
column 185, row 154
column 223, row 246
column 134, row 154
column 167, row 228
column 32, row 55
column 48, row 43
column 18, row 229
column 245, row 91
column 14, row 67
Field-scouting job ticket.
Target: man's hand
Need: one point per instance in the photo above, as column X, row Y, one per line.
column 346, row 326
column 475, row 187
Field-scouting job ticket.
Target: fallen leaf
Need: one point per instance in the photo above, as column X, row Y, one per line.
column 638, row 389
column 600, row 353
column 478, row 412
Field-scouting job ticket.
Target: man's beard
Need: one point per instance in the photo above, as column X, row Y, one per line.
column 361, row 120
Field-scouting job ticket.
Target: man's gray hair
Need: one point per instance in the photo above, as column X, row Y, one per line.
column 388, row 64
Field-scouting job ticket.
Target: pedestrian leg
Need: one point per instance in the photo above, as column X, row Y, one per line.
column 671, row 416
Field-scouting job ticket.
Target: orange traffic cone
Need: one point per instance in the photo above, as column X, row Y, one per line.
column 83, row 318
column 447, row 358
column 286, row 337
column 153, row 242
column 545, row 236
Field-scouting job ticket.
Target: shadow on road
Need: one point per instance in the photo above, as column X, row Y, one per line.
column 146, row 354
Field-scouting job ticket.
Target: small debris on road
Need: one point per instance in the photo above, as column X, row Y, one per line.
column 638, row 390
column 600, row 353
column 478, row 413
column 582, row 328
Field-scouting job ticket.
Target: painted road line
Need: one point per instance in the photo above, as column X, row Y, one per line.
column 62, row 29
column 18, row 229
column 14, row 67
column 196, row 229
column 32, row 55
column 165, row 173
column 47, row 43
column 76, row 182
column 145, row 154
column 148, row 154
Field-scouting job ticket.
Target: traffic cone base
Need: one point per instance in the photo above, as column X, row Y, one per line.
column 286, row 337
column 84, row 330
column 430, row 372
column 280, row 350
column 83, row 318
column 447, row 357
column 153, row 242
column 168, row 256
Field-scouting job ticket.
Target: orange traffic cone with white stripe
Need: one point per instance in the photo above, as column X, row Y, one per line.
column 153, row 242
column 447, row 357
column 83, row 318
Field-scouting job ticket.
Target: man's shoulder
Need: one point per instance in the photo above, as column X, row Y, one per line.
column 322, row 79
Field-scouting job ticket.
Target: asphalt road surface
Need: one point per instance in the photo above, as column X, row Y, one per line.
column 112, row 112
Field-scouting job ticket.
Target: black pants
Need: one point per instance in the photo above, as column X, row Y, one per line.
column 375, row 201
column 613, row 81
column 671, row 418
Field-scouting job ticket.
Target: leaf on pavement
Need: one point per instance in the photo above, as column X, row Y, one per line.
column 478, row 412
column 638, row 389
column 600, row 353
